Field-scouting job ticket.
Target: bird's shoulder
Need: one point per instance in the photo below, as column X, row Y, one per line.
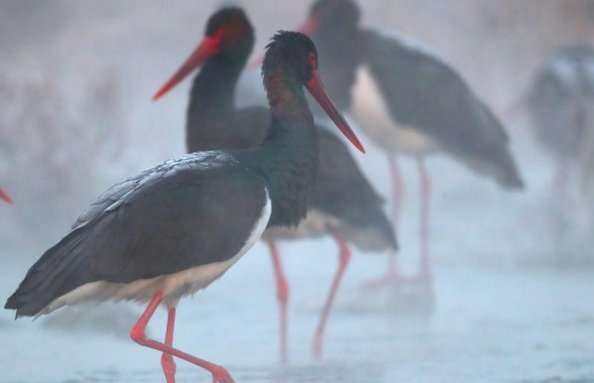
column 188, row 168
column 393, row 46
column 425, row 91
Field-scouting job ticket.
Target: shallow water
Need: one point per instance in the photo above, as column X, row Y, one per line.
column 487, row 317
column 472, row 326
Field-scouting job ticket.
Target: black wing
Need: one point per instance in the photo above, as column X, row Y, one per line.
column 424, row 92
column 184, row 213
column 343, row 191
column 341, row 186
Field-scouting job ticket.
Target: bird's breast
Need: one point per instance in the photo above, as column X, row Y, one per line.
column 315, row 225
column 372, row 115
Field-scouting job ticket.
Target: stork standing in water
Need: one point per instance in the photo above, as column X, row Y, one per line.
column 5, row 197
column 343, row 204
column 177, row 227
column 408, row 101
column 561, row 106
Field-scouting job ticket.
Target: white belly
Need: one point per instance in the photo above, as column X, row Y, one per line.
column 173, row 286
column 315, row 225
column 372, row 115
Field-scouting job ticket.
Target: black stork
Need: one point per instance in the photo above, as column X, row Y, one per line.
column 175, row 228
column 5, row 197
column 408, row 101
column 561, row 106
column 343, row 203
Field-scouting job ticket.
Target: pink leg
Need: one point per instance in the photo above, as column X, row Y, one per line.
column 344, row 258
column 166, row 359
column 219, row 373
column 425, row 273
column 392, row 273
column 5, row 197
column 282, row 294
column 397, row 191
column 397, row 195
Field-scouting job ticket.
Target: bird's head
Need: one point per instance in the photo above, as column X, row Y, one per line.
column 232, row 32
column 293, row 53
column 293, row 56
column 331, row 16
column 333, row 19
column 228, row 36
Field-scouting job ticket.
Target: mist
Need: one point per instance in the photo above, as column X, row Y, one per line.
column 513, row 272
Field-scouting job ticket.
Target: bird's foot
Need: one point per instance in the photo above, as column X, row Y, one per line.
column 390, row 279
column 423, row 278
column 316, row 347
column 221, row 375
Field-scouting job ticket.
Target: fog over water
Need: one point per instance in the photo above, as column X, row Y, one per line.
column 514, row 272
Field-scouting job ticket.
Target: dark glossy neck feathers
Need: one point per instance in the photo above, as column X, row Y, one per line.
column 212, row 104
column 290, row 150
column 288, row 156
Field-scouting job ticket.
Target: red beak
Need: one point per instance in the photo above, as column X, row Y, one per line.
column 5, row 196
column 315, row 86
column 256, row 63
column 207, row 48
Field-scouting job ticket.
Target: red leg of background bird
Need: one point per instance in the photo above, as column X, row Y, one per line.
column 397, row 194
column 219, row 373
column 282, row 294
column 166, row 359
column 5, row 196
column 344, row 258
column 397, row 191
column 425, row 273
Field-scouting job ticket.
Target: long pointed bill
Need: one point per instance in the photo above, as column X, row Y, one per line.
column 315, row 86
column 256, row 63
column 5, row 197
column 207, row 48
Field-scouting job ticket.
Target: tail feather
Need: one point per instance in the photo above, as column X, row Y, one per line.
column 503, row 168
column 58, row 271
column 496, row 163
column 491, row 156
column 370, row 230
column 510, row 177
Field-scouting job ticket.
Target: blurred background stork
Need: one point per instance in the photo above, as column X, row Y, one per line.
column 75, row 116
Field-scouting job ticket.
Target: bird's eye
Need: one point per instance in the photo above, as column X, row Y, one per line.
column 220, row 32
column 313, row 60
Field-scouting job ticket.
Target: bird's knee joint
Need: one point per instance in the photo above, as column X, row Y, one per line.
column 345, row 256
column 283, row 297
column 138, row 335
column 220, row 372
column 283, row 293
